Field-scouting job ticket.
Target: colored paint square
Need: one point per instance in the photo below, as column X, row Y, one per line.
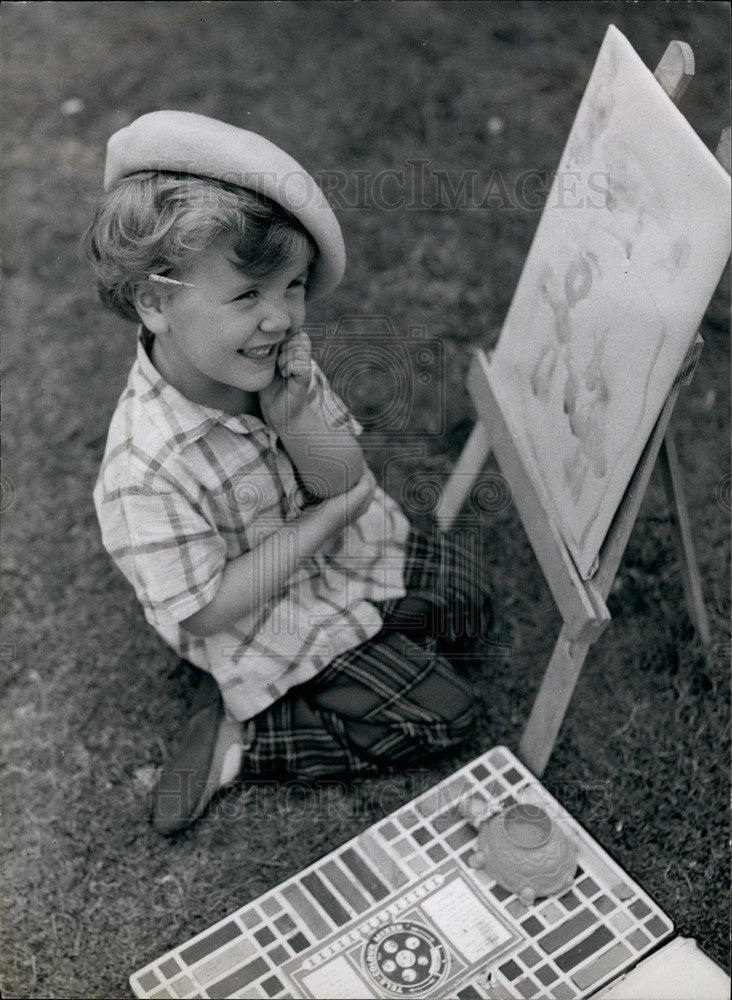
column 463, row 835
column 495, row 789
column 163, row 995
column 516, row 908
column 182, row 985
column 224, row 961
column 563, row 933
column 224, row 988
column 562, row 991
column 210, row 942
column 527, row 988
column 305, row 910
column 320, row 892
column 278, row 955
column 588, row 888
column 298, row 942
column 510, row 970
column 422, row 835
column 551, row 913
column 638, row 939
column 512, row 776
column 604, row 904
column 388, row 831
column 498, row 759
column 546, row 975
column 639, row 909
column 408, row 819
column 265, row 935
column 622, row 891
column 270, row 906
column 169, row 968
column 529, row 957
column 403, row 848
column 457, row 788
column 602, row 966
column 436, row 852
column 272, row 986
column 285, row 923
column 532, row 926
column 345, row 886
column 569, row 901
column 148, row 981
column 656, row 927
column 251, row 918
column 418, row 865
column 480, row 772
column 364, row 874
column 583, row 949
column 432, row 802
column 500, row 893
column 385, row 865
column 446, row 819
column 620, row 921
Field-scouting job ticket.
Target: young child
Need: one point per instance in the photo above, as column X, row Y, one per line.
column 233, row 493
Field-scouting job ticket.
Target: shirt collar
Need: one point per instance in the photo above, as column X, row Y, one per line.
column 180, row 419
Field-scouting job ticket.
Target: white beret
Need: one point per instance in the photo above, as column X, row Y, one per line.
column 187, row 143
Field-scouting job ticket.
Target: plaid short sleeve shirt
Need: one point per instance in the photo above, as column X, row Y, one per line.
column 184, row 488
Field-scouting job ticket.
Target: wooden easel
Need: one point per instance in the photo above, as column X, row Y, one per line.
column 581, row 602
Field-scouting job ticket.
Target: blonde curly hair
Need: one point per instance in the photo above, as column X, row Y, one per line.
column 160, row 223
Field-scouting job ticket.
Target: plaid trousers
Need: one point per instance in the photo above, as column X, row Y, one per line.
column 394, row 699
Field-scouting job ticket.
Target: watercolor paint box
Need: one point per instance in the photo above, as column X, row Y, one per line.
column 398, row 912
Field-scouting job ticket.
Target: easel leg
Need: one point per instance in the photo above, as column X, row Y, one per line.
column 668, row 463
column 467, row 469
column 552, row 701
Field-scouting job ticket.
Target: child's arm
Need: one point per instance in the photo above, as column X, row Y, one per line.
column 254, row 577
column 328, row 459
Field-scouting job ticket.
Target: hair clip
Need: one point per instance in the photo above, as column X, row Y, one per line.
column 162, row 280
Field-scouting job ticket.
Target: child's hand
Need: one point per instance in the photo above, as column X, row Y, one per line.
column 286, row 395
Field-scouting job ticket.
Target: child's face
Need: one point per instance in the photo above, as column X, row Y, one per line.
column 225, row 333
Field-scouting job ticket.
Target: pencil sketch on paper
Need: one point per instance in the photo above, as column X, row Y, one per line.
column 630, row 246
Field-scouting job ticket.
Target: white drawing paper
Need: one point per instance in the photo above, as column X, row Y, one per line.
column 630, row 247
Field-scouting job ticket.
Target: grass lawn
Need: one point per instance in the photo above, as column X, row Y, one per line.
column 91, row 696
